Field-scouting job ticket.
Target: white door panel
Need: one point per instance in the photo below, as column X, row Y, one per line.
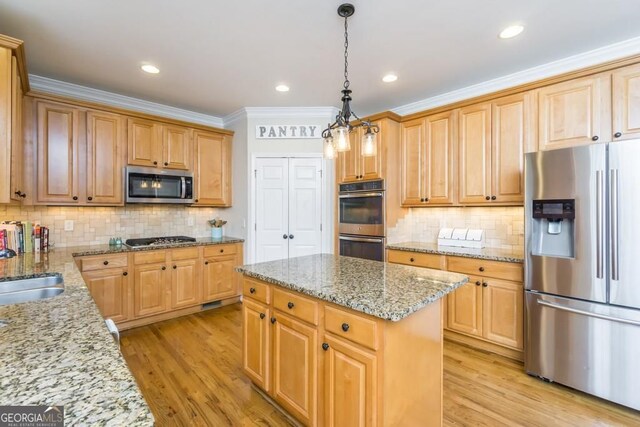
column 305, row 206
column 272, row 201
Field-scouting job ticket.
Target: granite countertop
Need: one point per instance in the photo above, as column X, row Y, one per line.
column 106, row 249
column 491, row 254
column 388, row 291
column 58, row 351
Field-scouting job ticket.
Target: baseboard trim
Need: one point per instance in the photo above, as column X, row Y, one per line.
column 280, row 409
column 483, row 345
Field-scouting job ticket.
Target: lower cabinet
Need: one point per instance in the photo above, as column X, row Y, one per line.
column 186, row 287
column 149, row 289
column 110, row 290
column 464, row 308
column 256, row 342
column 220, row 278
column 503, row 313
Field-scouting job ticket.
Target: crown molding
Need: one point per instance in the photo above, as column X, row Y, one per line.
column 281, row 112
column 582, row 60
column 57, row 87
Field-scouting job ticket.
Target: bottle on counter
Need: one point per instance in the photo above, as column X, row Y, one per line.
column 118, row 242
column 112, row 242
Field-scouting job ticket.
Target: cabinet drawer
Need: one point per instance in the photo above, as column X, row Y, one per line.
column 99, row 262
column 499, row 270
column 149, row 257
column 256, row 290
column 354, row 327
column 296, row 305
column 416, row 258
column 215, row 250
column 186, row 253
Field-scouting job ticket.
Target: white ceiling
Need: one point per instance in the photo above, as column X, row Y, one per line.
column 216, row 57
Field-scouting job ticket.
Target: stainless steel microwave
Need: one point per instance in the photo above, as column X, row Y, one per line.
column 150, row 185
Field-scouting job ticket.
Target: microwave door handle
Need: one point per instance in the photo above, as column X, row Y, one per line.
column 183, row 193
column 359, row 195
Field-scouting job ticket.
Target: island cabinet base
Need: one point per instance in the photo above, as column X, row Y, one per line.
column 328, row 365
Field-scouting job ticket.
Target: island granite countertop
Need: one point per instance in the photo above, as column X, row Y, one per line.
column 58, row 351
column 388, row 291
column 491, row 254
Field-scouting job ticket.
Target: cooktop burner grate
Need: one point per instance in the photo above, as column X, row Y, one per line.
column 158, row 241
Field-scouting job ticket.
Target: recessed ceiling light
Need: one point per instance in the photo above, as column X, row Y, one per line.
column 390, row 78
column 151, row 69
column 282, row 88
column 511, row 31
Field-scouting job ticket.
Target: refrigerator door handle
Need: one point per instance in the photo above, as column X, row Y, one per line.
column 588, row 313
column 615, row 254
column 599, row 224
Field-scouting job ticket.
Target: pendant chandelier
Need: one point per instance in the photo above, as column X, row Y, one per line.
column 336, row 135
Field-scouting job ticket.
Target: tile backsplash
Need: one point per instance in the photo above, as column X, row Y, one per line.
column 504, row 226
column 95, row 225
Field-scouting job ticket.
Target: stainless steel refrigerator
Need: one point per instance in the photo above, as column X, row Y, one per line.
column 582, row 264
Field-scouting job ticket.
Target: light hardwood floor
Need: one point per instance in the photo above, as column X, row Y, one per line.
column 189, row 371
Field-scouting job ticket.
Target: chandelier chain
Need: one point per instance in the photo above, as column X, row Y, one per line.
column 346, row 54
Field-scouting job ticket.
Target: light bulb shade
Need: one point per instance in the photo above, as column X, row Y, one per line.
column 369, row 144
column 341, row 138
column 329, row 148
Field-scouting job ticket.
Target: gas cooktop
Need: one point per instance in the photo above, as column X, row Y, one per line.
column 158, row 241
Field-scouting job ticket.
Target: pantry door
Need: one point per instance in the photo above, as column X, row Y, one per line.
column 305, row 206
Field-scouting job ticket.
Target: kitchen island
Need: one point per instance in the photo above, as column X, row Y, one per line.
column 343, row 341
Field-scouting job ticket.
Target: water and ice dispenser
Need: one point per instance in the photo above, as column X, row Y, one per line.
column 552, row 229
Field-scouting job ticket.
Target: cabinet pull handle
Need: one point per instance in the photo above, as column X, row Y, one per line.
column 262, row 315
column 155, row 163
column 106, row 262
column 595, row 138
column 273, row 320
column 290, row 305
column 345, row 327
column 487, row 198
column 252, row 290
column 422, row 200
column 478, row 283
column 75, row 197
column 164, row 267
column 125, row 273
column 196, row 200
column 89, row 198
column 175, row 266
column 493, row 197
column 23, row 195
column 485, row 284
column 206, row 263
column 481, row 269
column 617, row 134
column 426, row 199
column 325, row 346
column 411, row 259
column 166, row 164
column 221, row 250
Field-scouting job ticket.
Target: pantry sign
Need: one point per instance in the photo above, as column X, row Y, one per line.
column 287, row 131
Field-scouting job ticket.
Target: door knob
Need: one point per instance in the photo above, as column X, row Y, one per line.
column 485, row 284
column 106, row 262
column 487, row 198
column 90, row 198
column 325, row 346
column 75, row 197
column 284, row 236
column 164, row 268
column 478, row 283
column 291, row 236
column 617, row 134
column 166, row 164
column 125, row 273
column 262, row 315
column 493, row 197
column 175, row 266
column 595, row 138
column 155, row 163
column 273, row 320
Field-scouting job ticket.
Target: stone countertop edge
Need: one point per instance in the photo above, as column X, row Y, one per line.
column 489, row 254
column 434, row 292
column 105, row 249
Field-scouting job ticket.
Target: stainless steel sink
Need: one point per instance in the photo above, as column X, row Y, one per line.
column 32, row 289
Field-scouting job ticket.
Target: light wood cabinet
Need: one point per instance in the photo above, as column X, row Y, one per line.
column 626, row 103
column 144, row 143
column 474, row 173
column 256, row 343
column 352, row 166
column 58, row 151
column 575, row 112
column 150, row 289
column 464, row 308
column 428, row 160
column 105, row 158
column 219, row 278
column 110, row 290
column 503, row 312
column 348, row 163
column 350, row 384
column 17, row 190
column 212, row 172
column 186, row 287
column 295, row 373
column 176, row 146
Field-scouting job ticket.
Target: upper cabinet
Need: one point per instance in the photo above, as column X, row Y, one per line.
column 153, row 144
column 575, row 112
column 212, row 171
column 626, row 103
column 17, row 190
column 475, row 153
column 105, row 158
column 428, row 160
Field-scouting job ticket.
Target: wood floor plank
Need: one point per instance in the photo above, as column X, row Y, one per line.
column 189, row 371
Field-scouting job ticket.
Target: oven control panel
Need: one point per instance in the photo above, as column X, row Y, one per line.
column 362, row 186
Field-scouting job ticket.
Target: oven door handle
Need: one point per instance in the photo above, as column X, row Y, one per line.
column 359, row 195
column 361, row 239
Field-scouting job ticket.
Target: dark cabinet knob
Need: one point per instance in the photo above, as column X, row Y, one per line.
column 155, row 163
column 75, row 197
column 290, row 305
column 617, row 134
column 411, row 259
column 485, row 284
column 422, row 200
column 175, row 266
column 284, row 236
column 290, row 236
column 325, row 346
column 252, row 290
column 166, row 164
column 196, row 200
column 345, row 327
column 206, row 263
column 106, row 262
column 221, row 250
column 23, row 195
column 164, row 268
column 487, row 198
column 595, row 138
column 426, row 199
column 273, row 320
column 18, row 193
column 478, row 283
column 125, row 273
column 262, row 315
column 493, row 197
column 481, row 269
column 89, row 198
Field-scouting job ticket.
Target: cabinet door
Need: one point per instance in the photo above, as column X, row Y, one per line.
column 110, row 290
column 349, row 161
column 350, row 387
column 439, row 151
column 176, row 143
column 474, row 170
column 256, row 343
column 626, row 103
column 105, row 141
column 371, row 166
column 464, row 308
column 212, row 169
column 412, row 162
column 575, row 112
column 149, row 286
column 58, row 151
column 186, row 287
column 144, row 144
column 502, row 312
column 294, row 382
column 219, row 278
column 16, row 189
column 511, row 122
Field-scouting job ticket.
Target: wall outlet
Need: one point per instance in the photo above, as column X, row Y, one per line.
column 190, row 221
column 68, row 225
